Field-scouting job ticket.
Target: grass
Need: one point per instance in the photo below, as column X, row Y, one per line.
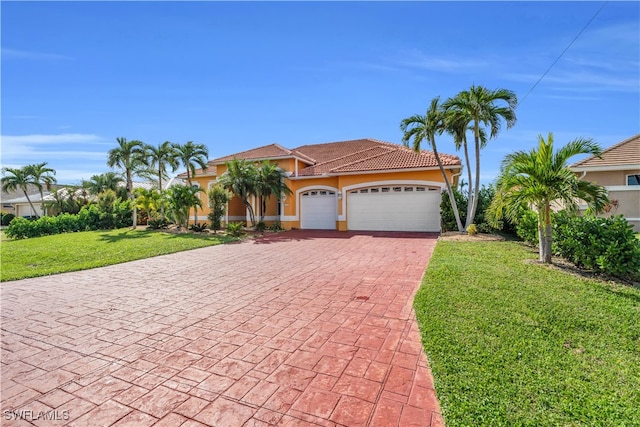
column 515, row 343
column 61, row 253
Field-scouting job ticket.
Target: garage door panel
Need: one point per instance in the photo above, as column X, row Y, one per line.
column 318, row 210
column 394, row 211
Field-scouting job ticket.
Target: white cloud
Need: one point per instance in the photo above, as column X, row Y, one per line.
column 64, row 138
column 415, row 58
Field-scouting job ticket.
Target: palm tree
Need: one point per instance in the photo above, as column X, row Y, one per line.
column 240, row 178
column 192, row 155
column 541, row 177
column 18, row 179
column 128, row 156
column 106, row 181
column 41, row 176
column 477, row 108
column 424, row 128
column 180, row 199
column 162, row 157
column 269, row 182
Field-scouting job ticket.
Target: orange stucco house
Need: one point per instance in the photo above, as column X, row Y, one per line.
column 617, row 170
column 362, row 184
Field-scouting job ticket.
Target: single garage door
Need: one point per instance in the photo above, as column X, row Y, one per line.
column 318, row 210
column 394, row 208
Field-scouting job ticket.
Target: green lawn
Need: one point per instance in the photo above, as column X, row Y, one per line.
column 514, row 343
column 42, row 256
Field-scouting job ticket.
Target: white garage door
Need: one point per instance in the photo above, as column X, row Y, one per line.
column 394, row 208
column 318, row 210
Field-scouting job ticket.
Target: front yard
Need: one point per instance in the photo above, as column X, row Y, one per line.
column 515, row 343
column 60, row 253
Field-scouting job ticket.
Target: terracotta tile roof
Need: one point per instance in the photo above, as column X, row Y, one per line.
column 364, row 155
column 359, row 155
column 624, row 153
column 211, row 170
column 265, row 152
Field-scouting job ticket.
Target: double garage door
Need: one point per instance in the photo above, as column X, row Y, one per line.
column 381, row 208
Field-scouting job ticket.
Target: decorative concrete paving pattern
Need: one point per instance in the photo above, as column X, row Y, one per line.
column 294, row 329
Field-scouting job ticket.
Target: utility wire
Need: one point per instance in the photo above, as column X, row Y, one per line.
column 563, row 52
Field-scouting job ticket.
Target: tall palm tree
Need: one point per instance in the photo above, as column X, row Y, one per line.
column 192, row 155
column 18, row 179
column 240, row 178
column 42, row 177
column 425, row 128
column 477, row 107
column 457, row 125
column 161, row 158
column 269, row 182
column 128, row 156
column 541, row 177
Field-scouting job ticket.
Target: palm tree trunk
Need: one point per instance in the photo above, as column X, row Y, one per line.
column 468, row 220
column 42, row 202
column 548, row 235
column 33, row 209
column 452, row 198
column 474, row 205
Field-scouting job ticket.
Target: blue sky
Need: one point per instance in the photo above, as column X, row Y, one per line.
column 238, row 75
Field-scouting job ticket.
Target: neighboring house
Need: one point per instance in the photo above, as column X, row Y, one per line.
column 362, row 184
column 16, row 203
column 619, row 172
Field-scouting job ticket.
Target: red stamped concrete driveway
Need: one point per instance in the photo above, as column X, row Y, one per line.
column 295, row 329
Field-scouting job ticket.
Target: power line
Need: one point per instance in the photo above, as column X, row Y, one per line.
column 563, row 52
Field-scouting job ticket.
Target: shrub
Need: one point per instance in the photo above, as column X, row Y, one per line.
column 447, row 219
column 235, row 229
column 157, row 224
column 6, row 218
column 198, row 227
column 472, row 229
column 605, row 245
column 276, row 226
column 527, row 227
column 261, row 226
column 218, row 199
column 20, row 228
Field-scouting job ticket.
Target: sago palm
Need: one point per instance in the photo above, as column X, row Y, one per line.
column 420, row 128
column 542, row 177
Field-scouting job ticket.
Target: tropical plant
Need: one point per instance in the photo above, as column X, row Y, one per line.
column 425, row 128
column 235, row 229
column 106, row 181
column 128, row 156
column 218, row 199
column 148, row 200
column 18, row 179
column 269, row 182
column 542, row 177
column 161, row 158
column 180, row 199
column 476, row 108
column 192, row 155
column 240, row 178
column 41, row 176
column 68, row 200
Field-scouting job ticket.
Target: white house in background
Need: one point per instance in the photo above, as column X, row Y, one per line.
column 619, row 172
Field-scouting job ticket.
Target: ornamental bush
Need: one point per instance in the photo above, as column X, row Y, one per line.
column 604, row 245
column 527, row 227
